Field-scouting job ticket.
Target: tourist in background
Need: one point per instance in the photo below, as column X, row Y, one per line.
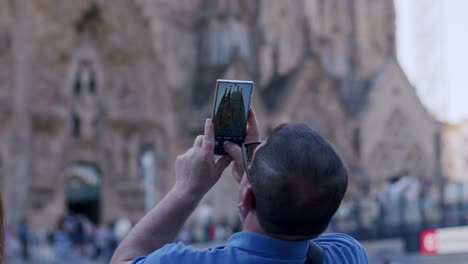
column 23, row 236
column 61, row 240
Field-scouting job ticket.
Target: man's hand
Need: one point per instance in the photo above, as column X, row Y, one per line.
column 196, row 170
column 235, row 152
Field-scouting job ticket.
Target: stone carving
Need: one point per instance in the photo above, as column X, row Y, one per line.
column 397, row 131
column 351, row 36
column 223, row 39
column 6, row 56
column 42, row 164
column 384, row 162
column 126, row 153
column 397, row 151
column 5, row 43
column 331, row 35
column 116, row 150
column 133, row 146
column 85, row 103
column 375, row 34
column 315, row 120
column 283, row 41
column 415, row 161
column 236, row 7
column 2, row 170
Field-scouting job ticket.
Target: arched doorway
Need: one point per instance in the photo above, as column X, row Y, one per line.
column 83, row 190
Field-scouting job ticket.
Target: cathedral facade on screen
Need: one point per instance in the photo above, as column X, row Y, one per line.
column 230, row 115
column 88, row 88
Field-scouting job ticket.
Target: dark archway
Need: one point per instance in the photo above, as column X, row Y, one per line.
column 83, row 190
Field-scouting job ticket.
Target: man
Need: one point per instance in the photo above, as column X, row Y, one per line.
column 290, row 187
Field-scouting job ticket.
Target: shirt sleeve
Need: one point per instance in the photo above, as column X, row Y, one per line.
column 139, row 260
column 341, row 248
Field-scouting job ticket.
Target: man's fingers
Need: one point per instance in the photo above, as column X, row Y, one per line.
column 222, row 164
column 253, row 133
column 208, row 138
column 198, row 141
column 235, row 153
column 235, row 174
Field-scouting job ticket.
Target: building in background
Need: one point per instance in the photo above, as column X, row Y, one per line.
column 88, row 87
column 455, row 153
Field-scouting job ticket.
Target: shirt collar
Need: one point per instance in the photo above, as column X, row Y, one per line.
column 269, row 245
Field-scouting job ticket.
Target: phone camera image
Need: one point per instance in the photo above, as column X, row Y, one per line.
column 230, row 112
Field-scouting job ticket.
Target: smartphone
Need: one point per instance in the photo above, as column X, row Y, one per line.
column 230, row 111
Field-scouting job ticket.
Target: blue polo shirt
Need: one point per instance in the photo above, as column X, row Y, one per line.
column 247, row 247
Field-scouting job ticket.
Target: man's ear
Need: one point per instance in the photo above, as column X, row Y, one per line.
column 247, row 202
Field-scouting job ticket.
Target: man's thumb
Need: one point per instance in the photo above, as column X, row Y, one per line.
column 234, row 151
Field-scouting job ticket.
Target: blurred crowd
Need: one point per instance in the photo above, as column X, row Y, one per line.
column 402, row 205
column 213, row 232
column 206, row 229
column 405, row 205
column 76, row 236
column 73, row 236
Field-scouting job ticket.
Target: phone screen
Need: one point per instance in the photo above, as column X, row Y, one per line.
column 231, row 107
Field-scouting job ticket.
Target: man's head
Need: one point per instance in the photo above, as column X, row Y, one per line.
column 298, row 182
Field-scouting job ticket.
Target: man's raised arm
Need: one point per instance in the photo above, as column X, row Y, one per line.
column 196, row 172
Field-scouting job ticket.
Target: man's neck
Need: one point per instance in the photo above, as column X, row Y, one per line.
column 251, row 224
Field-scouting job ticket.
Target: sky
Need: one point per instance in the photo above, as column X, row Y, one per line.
column 448, row 24
column 456, row 14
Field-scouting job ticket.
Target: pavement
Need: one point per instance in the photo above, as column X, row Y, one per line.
column 393, row 250
column 415, row 258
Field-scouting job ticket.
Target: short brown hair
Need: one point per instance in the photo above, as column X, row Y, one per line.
column 298, row 181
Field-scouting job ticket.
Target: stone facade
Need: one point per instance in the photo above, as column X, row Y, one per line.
column 95, row 84
column 455, row 152
column 397, row 135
